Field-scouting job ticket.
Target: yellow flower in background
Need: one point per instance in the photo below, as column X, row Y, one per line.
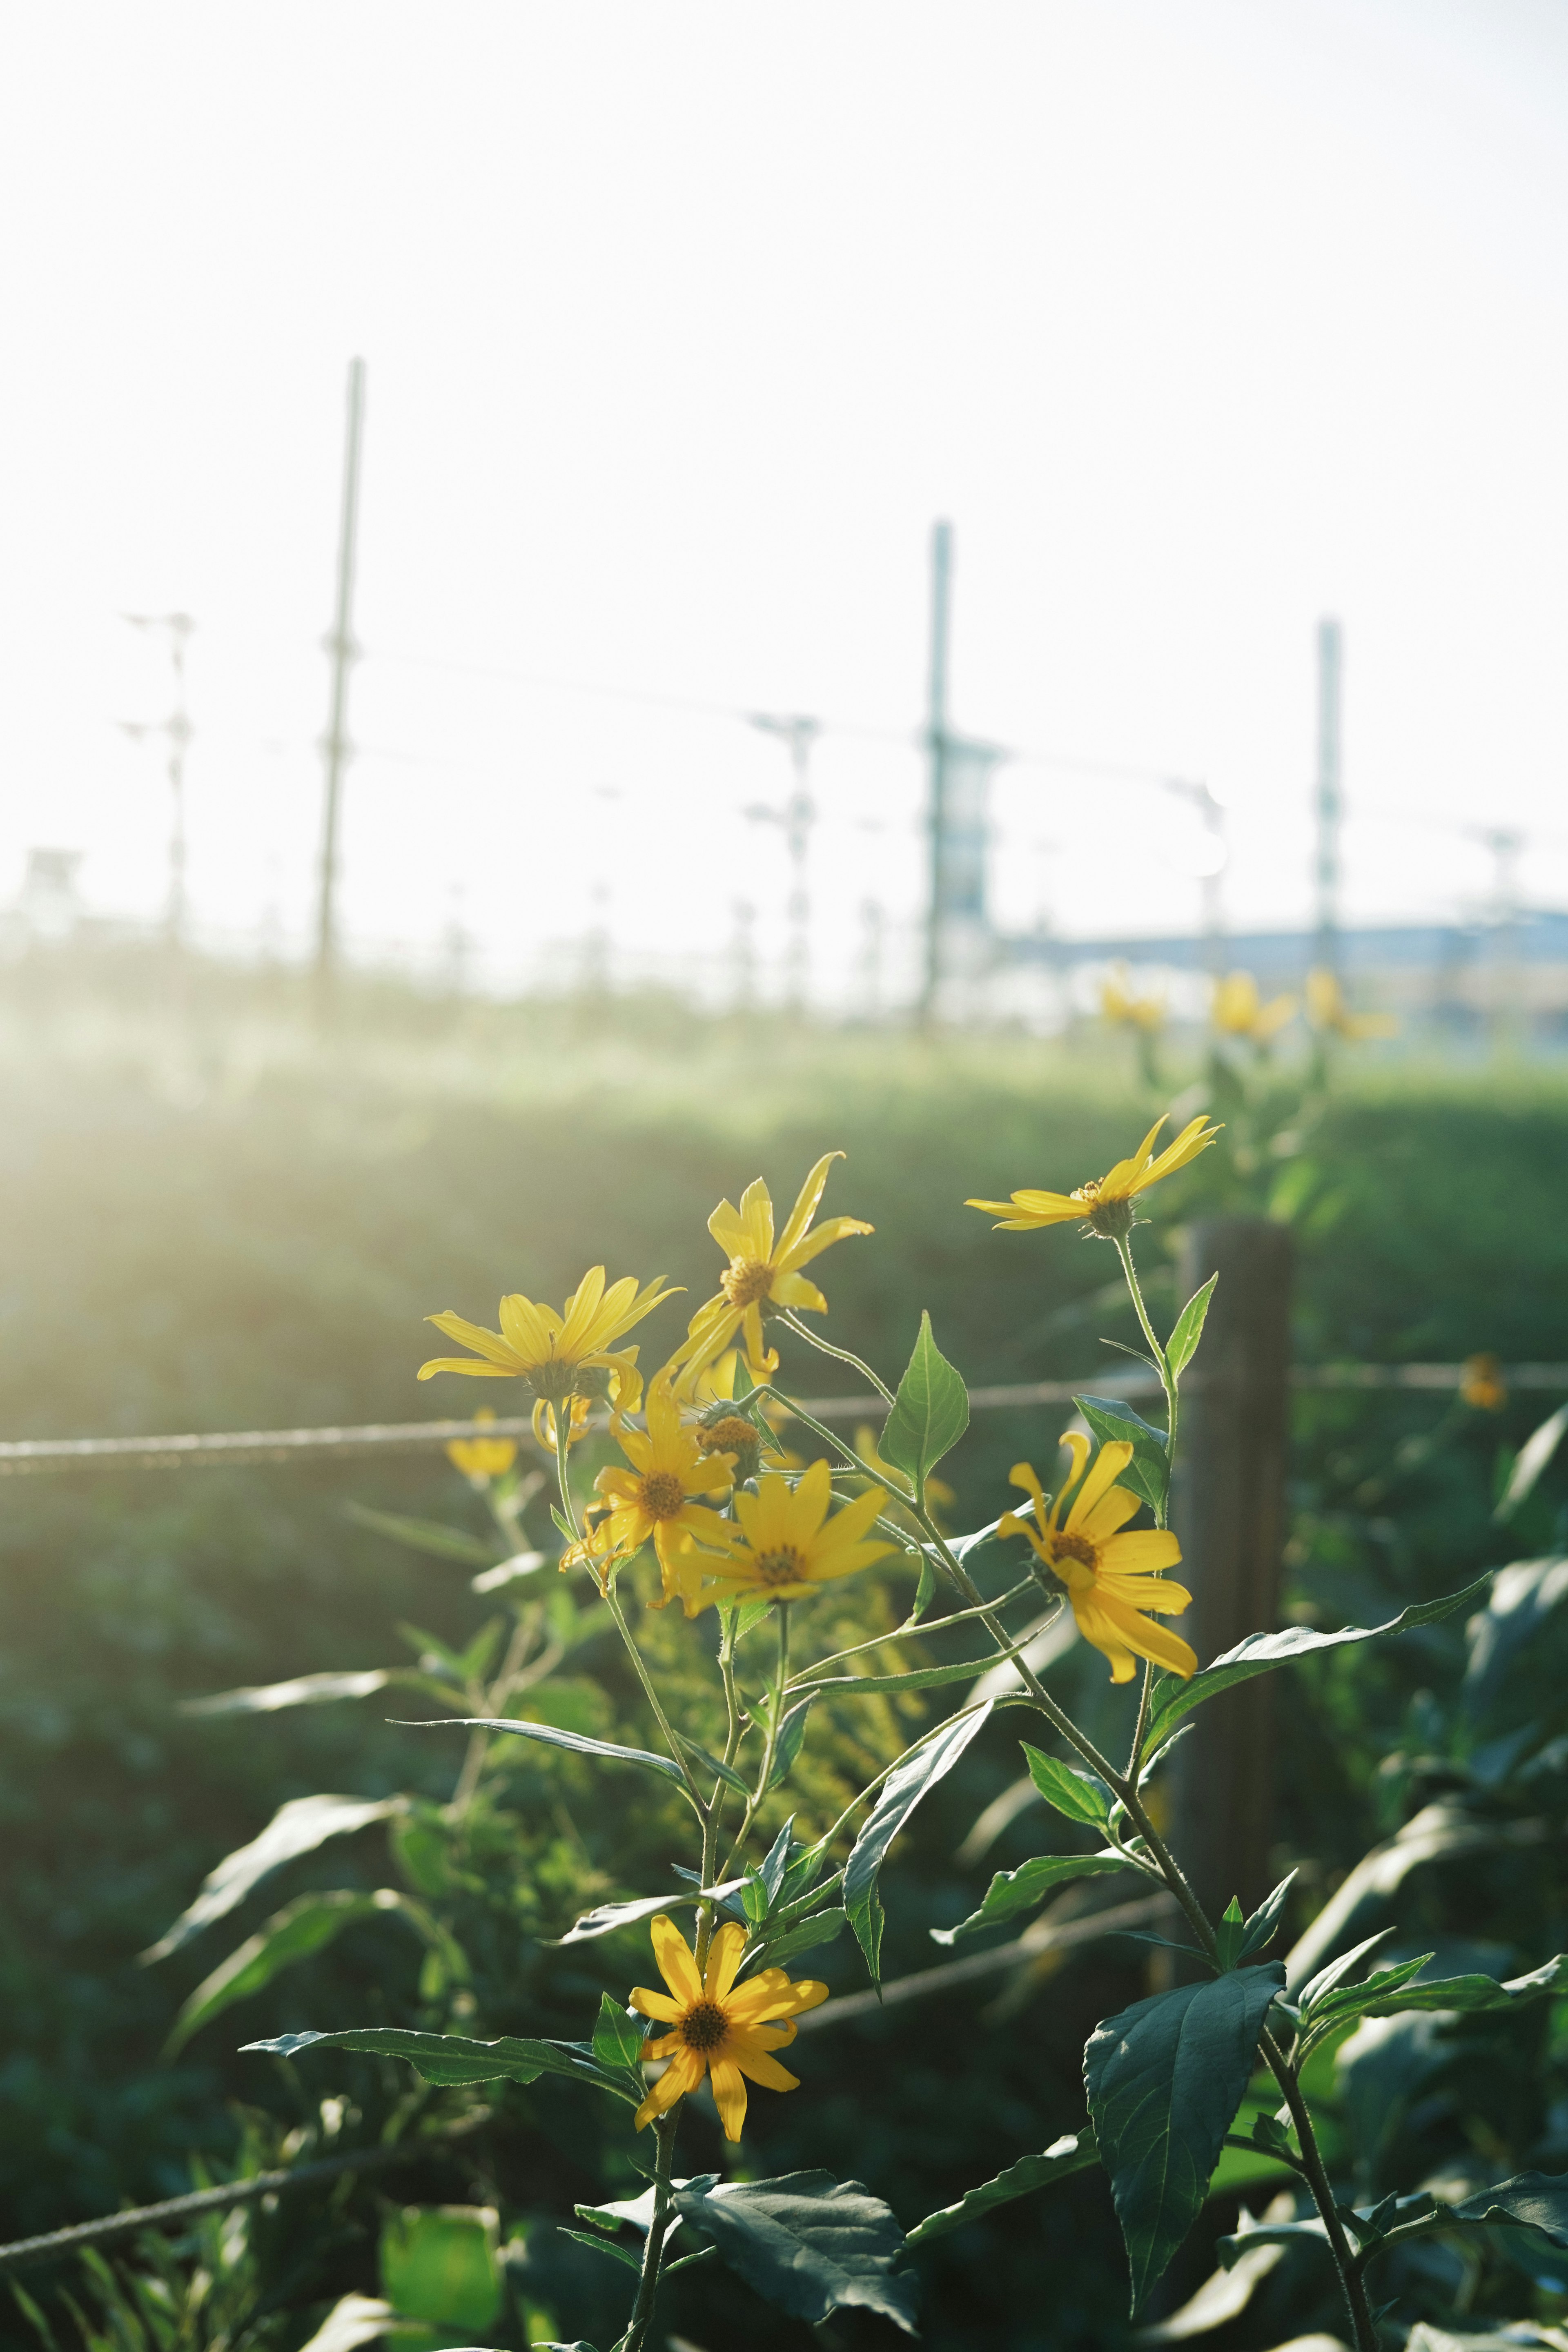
column 557, row 1356
column 1327, row 1009
column 1239, row 1012
column 481, row 1459
column 1118, row 1003
column 1104, row 1202
column 939, row 1494
column 725, row 2031
column 654, row 1501
column 792, row 1545
column 1113, row 1579
column 1482, row 1387
column 759, row 1273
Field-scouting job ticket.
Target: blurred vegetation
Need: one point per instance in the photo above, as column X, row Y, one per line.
column 208, row 1220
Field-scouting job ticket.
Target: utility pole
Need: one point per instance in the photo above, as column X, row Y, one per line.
column 342, row 649
column 798, row 816
column 176, row 732
column 1331, row 797
column 1508, row 1007
column 937, row 757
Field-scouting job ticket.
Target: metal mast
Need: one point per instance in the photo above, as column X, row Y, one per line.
column 176, row 731
column 341, row 646
column 798, row 816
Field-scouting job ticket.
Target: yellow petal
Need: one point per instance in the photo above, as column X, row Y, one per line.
column 805, row 1208
column 683, row 2074
column 751, row 2059
column 831, row 1230
column 1148, row 1639
column 728, row 2095
column 757, row 1222
column 1143, row 1553
column 723, row 1959
column 1114, row 1511
column 676, row 1964
column 1109, row 1464
column 794, row 1290
column 470, row 1364
column 657, row 2004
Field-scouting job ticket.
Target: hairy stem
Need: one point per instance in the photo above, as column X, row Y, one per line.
column 1162, row 1361
column 664, row 2127
column 771, row 1747
column 840, row 1355
column 612, row 1603
column 1351, row 2283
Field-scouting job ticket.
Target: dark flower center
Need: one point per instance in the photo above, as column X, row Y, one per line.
column 704, row 2026
column 782, row 1567
column 662, row 1496
column 1077, row 1547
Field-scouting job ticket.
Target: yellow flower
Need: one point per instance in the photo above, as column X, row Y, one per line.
column 1483, row 1388
column 1327, row 1009
column 939, row 1494
column 791, row 1544
column 481, row 1459
column 760, row 1273
column 1113, row 1579
column 1106, row 1202
column 723, row 2029
column 558, row 1356
column 654, row 1499
column 1118, row 1003
column 1240, row 1011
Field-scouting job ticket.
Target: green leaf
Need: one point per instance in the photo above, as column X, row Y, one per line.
column 1182, row 1344
column 1072, row 2153
column 1081, row 1796
column 1012, row 1890
column 901, row 1791
column 1532, row 1458
column 452, row 2058
column 425, row 1535
column 920, row 1678
column 772, row 1952
column 807, row 2244
column 1263, row 1924
column 1532, row 2200
column 925, row 1588
column 301, row 1928
column 791, row 1732
column 931, row 1411
column 1230, row 1934
column 715, row 1765
column 1148, row 1475
column 605, row 1918
column 304, row 1690
column 554, row 1737
column 1261, row 1653
column 1164, row 2080
column 598, row 2245
column 298, row 1827
column 1394, row 1990
column 618, row 2036
column 777, row 1861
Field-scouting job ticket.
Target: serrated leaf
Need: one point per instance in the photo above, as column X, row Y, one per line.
column 931, row 1411
column 618, row 2036
column 1012, row 1890
column 452, row 2058
column 552, row 1737
column 1392, row 1991
column 808, row 2243
column 789, row 1943
column 1073, row 2152
column 1183, row 1343
column 1148, row 1475
column 1261, row 1653
column 1165, row 2078
column 1081, row 1796
column 598, row 2245
column 298, row 1827
column 607, row 1918
column 425, row 1535
column 303, row 1690
column 301, row 1929
column 901, row 1792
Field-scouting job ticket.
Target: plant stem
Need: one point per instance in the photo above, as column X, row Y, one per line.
column 771, row 1746
column 840, row 1355
column 664, row 2127
column 1350, row 2280
column 612, row 1603
column 1162, row 1361
column 729, row 1619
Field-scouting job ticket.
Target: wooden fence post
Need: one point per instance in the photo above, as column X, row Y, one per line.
column 1228, row 1509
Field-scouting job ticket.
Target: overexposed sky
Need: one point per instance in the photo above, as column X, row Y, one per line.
column 682, row 323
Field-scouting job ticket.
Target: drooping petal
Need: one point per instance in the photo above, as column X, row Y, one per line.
column 1024, row 1211
column 1098, row 1629
column 751, row 2059
column 470, row 1364
column 1155, row 1594
column 1149, row 1640
column 729, row 2093
column 794, row 1290
column 676, row 1964
column 489, row 1344
column 683, row 2074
